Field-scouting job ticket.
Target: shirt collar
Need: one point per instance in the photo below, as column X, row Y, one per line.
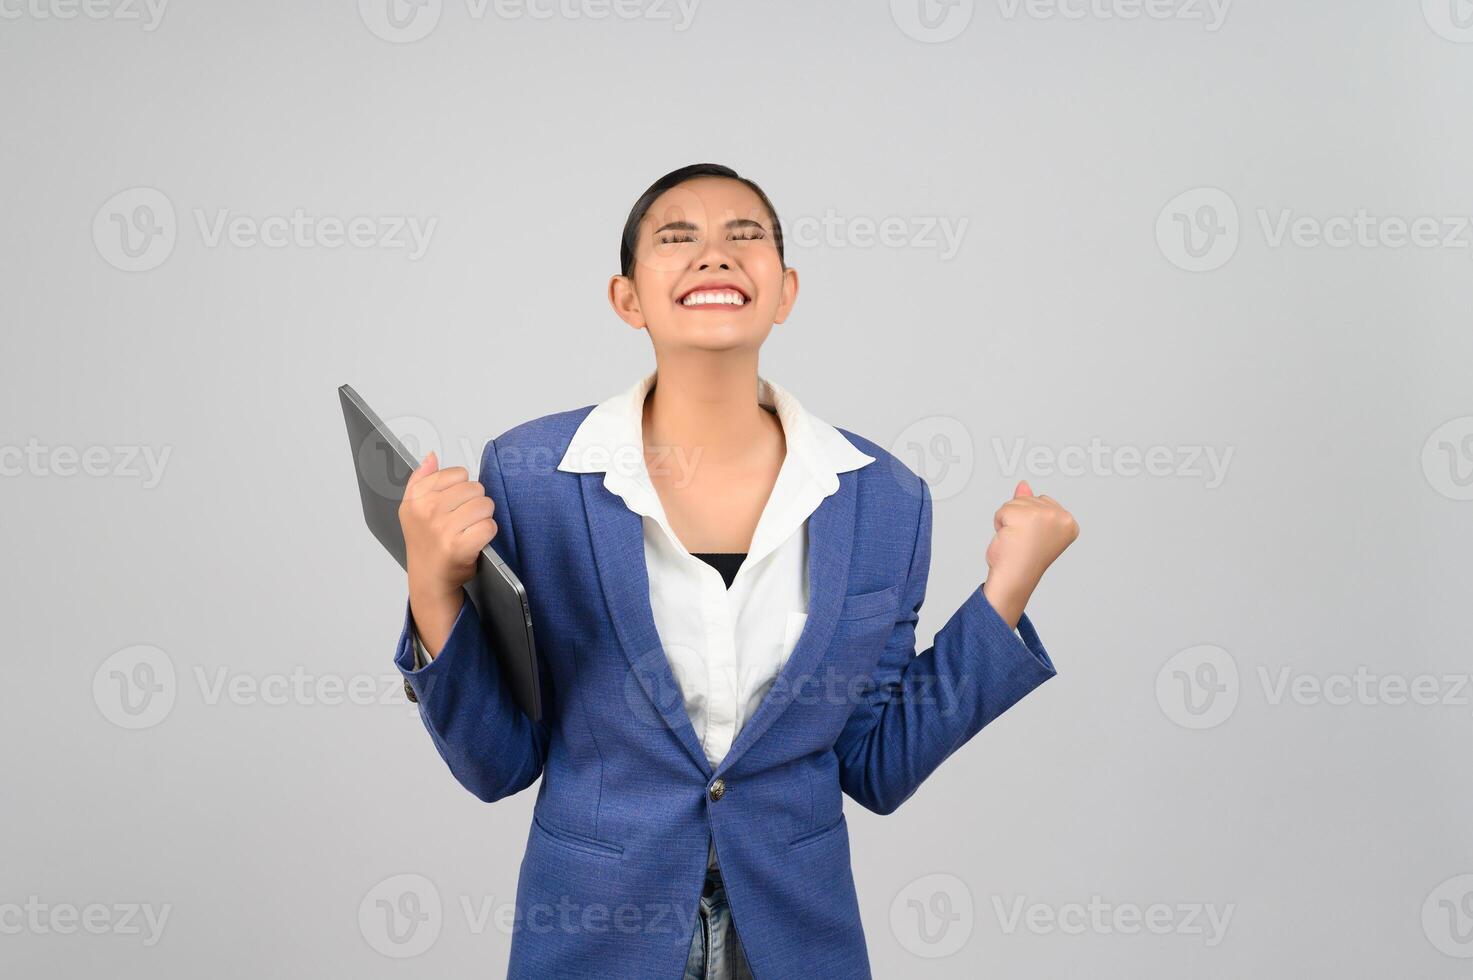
column 610, row 440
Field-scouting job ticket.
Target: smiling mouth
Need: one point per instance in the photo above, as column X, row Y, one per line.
column 719, row 298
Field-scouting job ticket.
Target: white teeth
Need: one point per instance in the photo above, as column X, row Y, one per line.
column 728, row 296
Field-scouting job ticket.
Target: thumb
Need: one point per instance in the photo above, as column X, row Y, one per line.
column 1023, row 489
column 428, row 465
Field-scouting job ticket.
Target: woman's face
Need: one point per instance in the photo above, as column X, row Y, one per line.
column 706, row 269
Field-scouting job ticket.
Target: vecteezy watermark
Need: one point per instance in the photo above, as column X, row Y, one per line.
column 1099, row 917
column 136, row 230
column 1200, row 688
column 1206, row 463
column 932, row 21
column 941, row 234
column 938, row 449
column 148, row 14
column 936, row 21
column 1199, row 230
column 626, row 461
column 1211, row 13
column 37, row 918
column 403, row 916
column 933, row 916
column 1450, row 19
column 1365, row 687
column 137, row 687
column 1361, row 229
column 1447, row 917
column 1447, row 458
column 142, row 463
column 407, row 21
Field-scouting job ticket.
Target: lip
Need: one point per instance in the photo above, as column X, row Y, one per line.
column 712, row 287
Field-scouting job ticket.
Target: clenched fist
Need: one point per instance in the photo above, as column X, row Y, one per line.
column 1030, row 533
column 446, row 521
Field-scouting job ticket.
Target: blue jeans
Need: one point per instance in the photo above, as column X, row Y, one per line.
column 715, row 951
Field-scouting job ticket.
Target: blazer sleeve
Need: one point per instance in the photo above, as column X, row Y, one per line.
column 489, row 743
column 918, row 709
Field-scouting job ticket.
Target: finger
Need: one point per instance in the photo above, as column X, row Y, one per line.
column 1023, row 489
column 1046, row 497
column 479, row 534
column 459, row 494
column 470, row 513
column 1004, row 516
column 426, row 466
column 446, row 478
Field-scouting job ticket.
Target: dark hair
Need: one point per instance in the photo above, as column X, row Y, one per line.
column 630, row 240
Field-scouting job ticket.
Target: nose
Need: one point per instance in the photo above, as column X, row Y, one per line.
column 713, row 256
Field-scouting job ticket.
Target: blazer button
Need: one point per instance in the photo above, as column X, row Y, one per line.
column 718, row 790
column 409, row 693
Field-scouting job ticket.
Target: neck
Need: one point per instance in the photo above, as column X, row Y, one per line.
column 705, row 408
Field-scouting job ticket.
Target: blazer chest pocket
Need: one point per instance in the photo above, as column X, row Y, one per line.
column 863, row 605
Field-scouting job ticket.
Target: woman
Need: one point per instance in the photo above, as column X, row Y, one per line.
column 724, row 591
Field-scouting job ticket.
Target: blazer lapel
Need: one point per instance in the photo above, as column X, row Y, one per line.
column 618, row 548
column 830, row 544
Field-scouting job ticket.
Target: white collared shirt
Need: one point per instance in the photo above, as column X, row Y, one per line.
column 725, row 646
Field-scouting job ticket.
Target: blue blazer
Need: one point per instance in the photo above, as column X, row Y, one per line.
column 616, row 853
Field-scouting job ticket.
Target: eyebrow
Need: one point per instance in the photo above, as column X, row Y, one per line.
column 731, row 225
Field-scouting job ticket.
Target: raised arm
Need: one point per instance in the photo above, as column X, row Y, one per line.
column 920, row 708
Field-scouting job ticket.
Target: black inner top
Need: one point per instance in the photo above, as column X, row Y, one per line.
column 725, row 562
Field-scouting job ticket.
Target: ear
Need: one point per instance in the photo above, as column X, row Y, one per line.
column 790, row 295
column 625, row 301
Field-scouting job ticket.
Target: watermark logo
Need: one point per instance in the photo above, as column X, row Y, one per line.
column 1198, row 688
column 407, row 21
column 656, row 681
column 942, row 234
column 39, row 918
column 932, row 21
column 1211, row 13
column 135, row 230
column 384, row 472
column 148, row 13
column 1447, row 917
column 1188, row 462
column 124, row 462
column 400, row 21
column 1447, row 458
column 1099, row 917
column 136, row 687
column 939, row 450
column 933, row 916
column 1364, row 687
column 1452, row 20
column 1198, row 230
column 400, row 917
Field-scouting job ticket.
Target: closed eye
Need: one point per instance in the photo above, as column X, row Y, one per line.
column 683, row 232
column 741, row 236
